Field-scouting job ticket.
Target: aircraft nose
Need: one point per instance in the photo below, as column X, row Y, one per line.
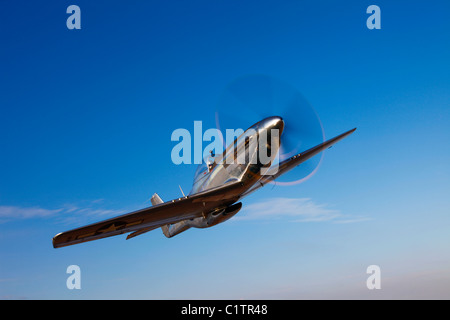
column 274, row 122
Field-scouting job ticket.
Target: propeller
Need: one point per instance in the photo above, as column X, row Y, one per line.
column 251, row 98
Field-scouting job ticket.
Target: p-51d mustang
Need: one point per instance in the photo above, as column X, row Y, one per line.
column 217, row 188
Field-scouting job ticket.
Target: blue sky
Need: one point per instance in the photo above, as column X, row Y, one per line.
column 86, row 118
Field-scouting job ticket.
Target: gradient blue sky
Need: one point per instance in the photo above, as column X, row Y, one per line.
column 85, row 123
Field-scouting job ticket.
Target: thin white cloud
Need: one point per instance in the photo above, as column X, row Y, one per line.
column 66, row 213
column 13, row 212
column 350, row 219
column 296, row 210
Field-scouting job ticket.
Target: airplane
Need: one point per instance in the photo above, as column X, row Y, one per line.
column 218, row 187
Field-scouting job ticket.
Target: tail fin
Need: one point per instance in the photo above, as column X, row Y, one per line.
column 156, row 199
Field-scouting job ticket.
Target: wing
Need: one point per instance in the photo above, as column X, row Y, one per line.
column 294, row 161
column 153, row 217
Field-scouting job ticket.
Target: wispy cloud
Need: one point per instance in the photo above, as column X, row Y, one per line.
column 14, row 212
column 66, row 213
column 296, row 210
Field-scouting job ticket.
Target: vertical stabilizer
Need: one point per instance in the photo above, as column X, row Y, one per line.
column 156, row 199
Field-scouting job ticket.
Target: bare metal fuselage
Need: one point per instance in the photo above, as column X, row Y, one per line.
column 219, row 184
column 240, row 162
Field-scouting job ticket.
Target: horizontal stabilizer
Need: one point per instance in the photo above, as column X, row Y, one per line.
column 171, row 230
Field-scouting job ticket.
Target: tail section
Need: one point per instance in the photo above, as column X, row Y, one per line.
column 156, row 199
column 171, row 230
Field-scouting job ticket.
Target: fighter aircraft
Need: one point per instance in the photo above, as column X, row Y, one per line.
column 217, row 189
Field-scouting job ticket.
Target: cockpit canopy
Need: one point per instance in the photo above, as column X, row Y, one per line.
column 202, row 171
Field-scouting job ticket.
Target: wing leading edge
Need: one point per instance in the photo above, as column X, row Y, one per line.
column 294, row 161
column 153, row 217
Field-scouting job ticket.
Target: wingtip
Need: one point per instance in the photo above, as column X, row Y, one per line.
column 342, row 135
column 54, row 241
column 349, row 132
